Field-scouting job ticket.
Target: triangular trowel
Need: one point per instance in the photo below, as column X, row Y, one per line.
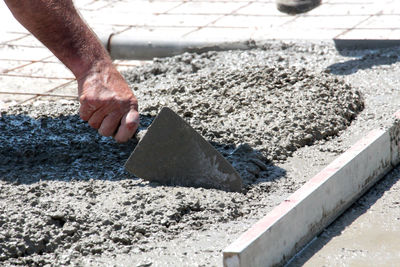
column 172, row 152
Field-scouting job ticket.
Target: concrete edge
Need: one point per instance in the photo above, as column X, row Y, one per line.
column 128, row 46
column 318, row 202
column 350, row 44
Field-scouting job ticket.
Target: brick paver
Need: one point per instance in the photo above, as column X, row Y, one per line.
column 28, row 67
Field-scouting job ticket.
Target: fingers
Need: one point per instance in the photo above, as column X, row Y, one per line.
column 128, row 127
column 108, row 104
column 86, row 109
column 97, row 118
column 110, row 124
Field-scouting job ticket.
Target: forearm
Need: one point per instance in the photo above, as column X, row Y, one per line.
column 59, row 27
column 107, row 102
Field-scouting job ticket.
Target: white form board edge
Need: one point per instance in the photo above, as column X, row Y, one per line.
column 279, row 235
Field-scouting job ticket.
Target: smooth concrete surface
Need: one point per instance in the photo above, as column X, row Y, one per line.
column 285, row 230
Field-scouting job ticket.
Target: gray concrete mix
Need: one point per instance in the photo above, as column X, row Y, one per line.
column 279, row 114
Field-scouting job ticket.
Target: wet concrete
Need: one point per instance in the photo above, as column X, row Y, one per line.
column 279, row 114
column 367, row 234
column 276, row 105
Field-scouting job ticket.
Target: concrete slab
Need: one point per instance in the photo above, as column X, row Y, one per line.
column 246, row 21
column 261, row 9
column 24, row 53
column 42, row 69
column 346, row 9
column 172, row 152
column 207, row 8
column 307, row 23
column 316, row 204
column 216, row 35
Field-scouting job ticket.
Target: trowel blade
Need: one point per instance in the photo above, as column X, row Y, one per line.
column 172, row 152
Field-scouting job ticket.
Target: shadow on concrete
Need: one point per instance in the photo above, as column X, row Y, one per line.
column 357, row 44
column 360, row 207
column 58, row 148
column 65, row 148
column 367, row 54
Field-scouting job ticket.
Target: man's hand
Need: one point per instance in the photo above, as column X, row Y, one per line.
column 107, row 102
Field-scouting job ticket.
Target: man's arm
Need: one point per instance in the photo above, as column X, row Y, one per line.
column 107, row 102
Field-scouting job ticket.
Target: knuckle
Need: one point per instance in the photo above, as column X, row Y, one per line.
column 83, row 99
column 87, row 100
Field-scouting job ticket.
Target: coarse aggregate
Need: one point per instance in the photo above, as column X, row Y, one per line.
column 279, row 113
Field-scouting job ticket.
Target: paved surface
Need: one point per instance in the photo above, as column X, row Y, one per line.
column 28, row 69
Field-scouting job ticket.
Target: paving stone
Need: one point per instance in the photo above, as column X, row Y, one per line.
column 222, row 34
column 151, row 20
column 32, row 85
column 261, row 9
column 24, row 53
column 351, row 1
column 6, row 37
column 82, row 3
column 159, row 32
column 207, row 7
column 44, row 69
column 305, row 23
column 340, row 8
column 142, row 7
column 68, row 89
column 293, row 33
column 105, row 30
column 25, row 84
column 6, row 65
column 110, row 18
column 184, row 20
column 94, row 5
column 381, row 22
column 27, row 40
column 251, row 21
column 391, row 8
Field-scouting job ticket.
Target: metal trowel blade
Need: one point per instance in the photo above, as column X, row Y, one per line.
column 172, row 152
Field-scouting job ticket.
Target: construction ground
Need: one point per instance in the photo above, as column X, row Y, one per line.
column 66, row 200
